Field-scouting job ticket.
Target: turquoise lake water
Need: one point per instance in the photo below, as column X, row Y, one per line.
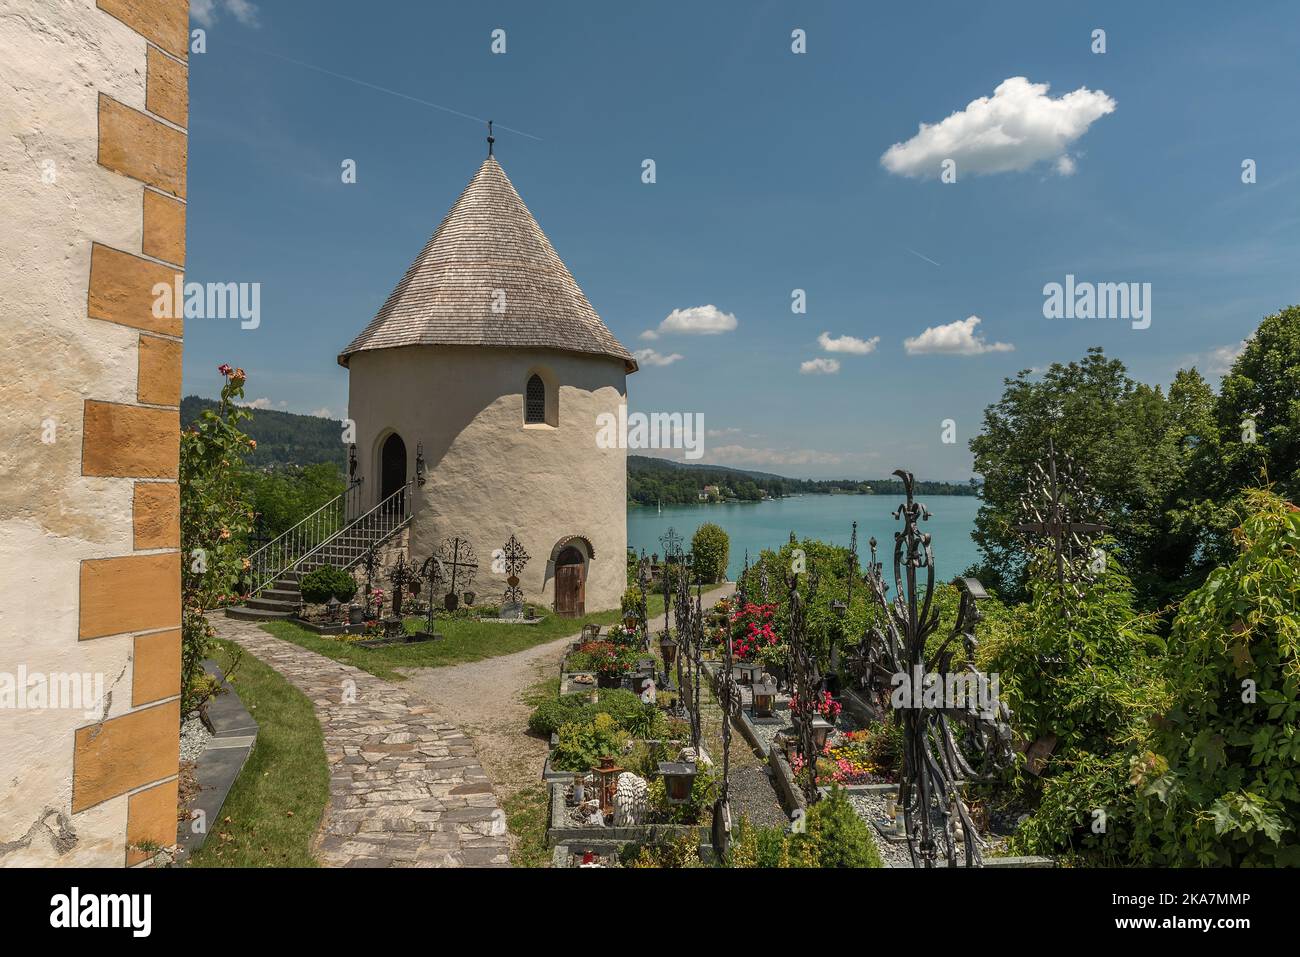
column 759, row 525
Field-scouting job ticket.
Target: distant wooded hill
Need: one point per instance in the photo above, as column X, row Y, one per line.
column 651, row 480
column 283, row 438
column 289, row 439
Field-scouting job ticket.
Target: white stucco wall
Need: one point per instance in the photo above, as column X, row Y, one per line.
column 489, row 475
column 55, row 57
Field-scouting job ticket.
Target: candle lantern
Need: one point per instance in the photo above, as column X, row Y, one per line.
column 607, row 777
column 821, row 729
column 839, row 608
column 763, row 698
column 679, row 776
column 749, row 672
column 332, row 607
column 579, row 789
column 668, row 648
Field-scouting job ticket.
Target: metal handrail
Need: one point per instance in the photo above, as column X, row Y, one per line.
column 348, row 546
column 286, row 550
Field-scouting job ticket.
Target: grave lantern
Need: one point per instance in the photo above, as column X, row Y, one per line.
column 607, row 778
column 679, row 776
column 839, row 608
column 579, row 789
column 332, row 608
column 762, row 699
column 668, row 648
column 749, row 671
column 821, row 728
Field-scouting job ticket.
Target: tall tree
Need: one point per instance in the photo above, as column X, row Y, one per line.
column 1125, row 435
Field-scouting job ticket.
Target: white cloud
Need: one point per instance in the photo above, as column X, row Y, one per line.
column 322, row 413
column 650, row 357
column 697, row 320
column 207, row 12
column 956, row 338
column 744, row 455
column 819, row 367
column 262, row 403
column 1019, row 126
column 1218, row 361
column 858, row 347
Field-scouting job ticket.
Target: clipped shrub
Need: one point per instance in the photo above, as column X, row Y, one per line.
column 712, row 549
column 834, row 836
column 317, row 586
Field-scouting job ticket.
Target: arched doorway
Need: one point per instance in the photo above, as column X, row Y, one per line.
column 392, row 466
column 570, row 583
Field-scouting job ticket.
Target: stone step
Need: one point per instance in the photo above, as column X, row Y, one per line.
column 254, row 614
column 276, row 593
column 262, row 603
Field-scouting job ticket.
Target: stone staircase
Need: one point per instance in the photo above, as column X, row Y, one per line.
column 280, row 600
column 316, row 542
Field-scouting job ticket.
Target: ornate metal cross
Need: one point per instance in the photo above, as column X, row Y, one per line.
column 940, row 740
column 672, row 543
column 1045, row 510
column 459, row 562
column 432, row 574
column 514, row 558
column 400, row 576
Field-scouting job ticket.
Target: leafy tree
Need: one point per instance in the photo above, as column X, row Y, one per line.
column 712, row 550
column 1221, row 785
column 1127, row 438
column 1251, row 435
column 215, row 522
column 284, row 496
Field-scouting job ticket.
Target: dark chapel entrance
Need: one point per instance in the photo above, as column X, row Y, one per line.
column 570, row 583
column 392, row 466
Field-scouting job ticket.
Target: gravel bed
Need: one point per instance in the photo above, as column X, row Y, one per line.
column 871, row 805
column 194, row 739
column 753, row 797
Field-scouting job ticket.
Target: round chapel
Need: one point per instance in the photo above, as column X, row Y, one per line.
column 475, row 395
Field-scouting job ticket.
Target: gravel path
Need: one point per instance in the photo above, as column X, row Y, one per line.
column 485, row 700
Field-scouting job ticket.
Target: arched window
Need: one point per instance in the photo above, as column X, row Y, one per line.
column 535, row 401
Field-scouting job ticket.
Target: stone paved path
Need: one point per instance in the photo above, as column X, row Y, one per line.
column 486, row 699
column 406, row 788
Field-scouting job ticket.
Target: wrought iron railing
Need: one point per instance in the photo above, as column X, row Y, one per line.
column 349, row 545
column 286, row 550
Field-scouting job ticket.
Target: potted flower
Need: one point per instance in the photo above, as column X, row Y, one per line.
column 612, row 665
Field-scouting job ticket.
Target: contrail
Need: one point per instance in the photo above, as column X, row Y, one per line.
column 926, row 258
column 383, row 89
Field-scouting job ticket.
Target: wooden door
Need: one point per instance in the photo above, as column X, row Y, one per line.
column 570, row 584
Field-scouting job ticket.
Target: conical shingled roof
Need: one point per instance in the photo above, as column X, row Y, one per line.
column 489, row 241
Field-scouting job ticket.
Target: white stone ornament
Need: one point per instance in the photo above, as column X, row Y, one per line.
column 629, row 800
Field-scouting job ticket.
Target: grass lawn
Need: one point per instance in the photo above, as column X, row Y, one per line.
column 528, row 809
column 527, row 813
column 275, row 806
column 464, row 639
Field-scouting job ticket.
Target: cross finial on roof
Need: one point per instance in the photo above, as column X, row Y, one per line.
column 491, row 139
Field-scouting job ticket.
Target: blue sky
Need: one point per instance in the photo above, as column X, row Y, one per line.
column 769, row 179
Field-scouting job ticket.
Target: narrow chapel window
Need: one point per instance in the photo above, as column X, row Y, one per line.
column 535, row 401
